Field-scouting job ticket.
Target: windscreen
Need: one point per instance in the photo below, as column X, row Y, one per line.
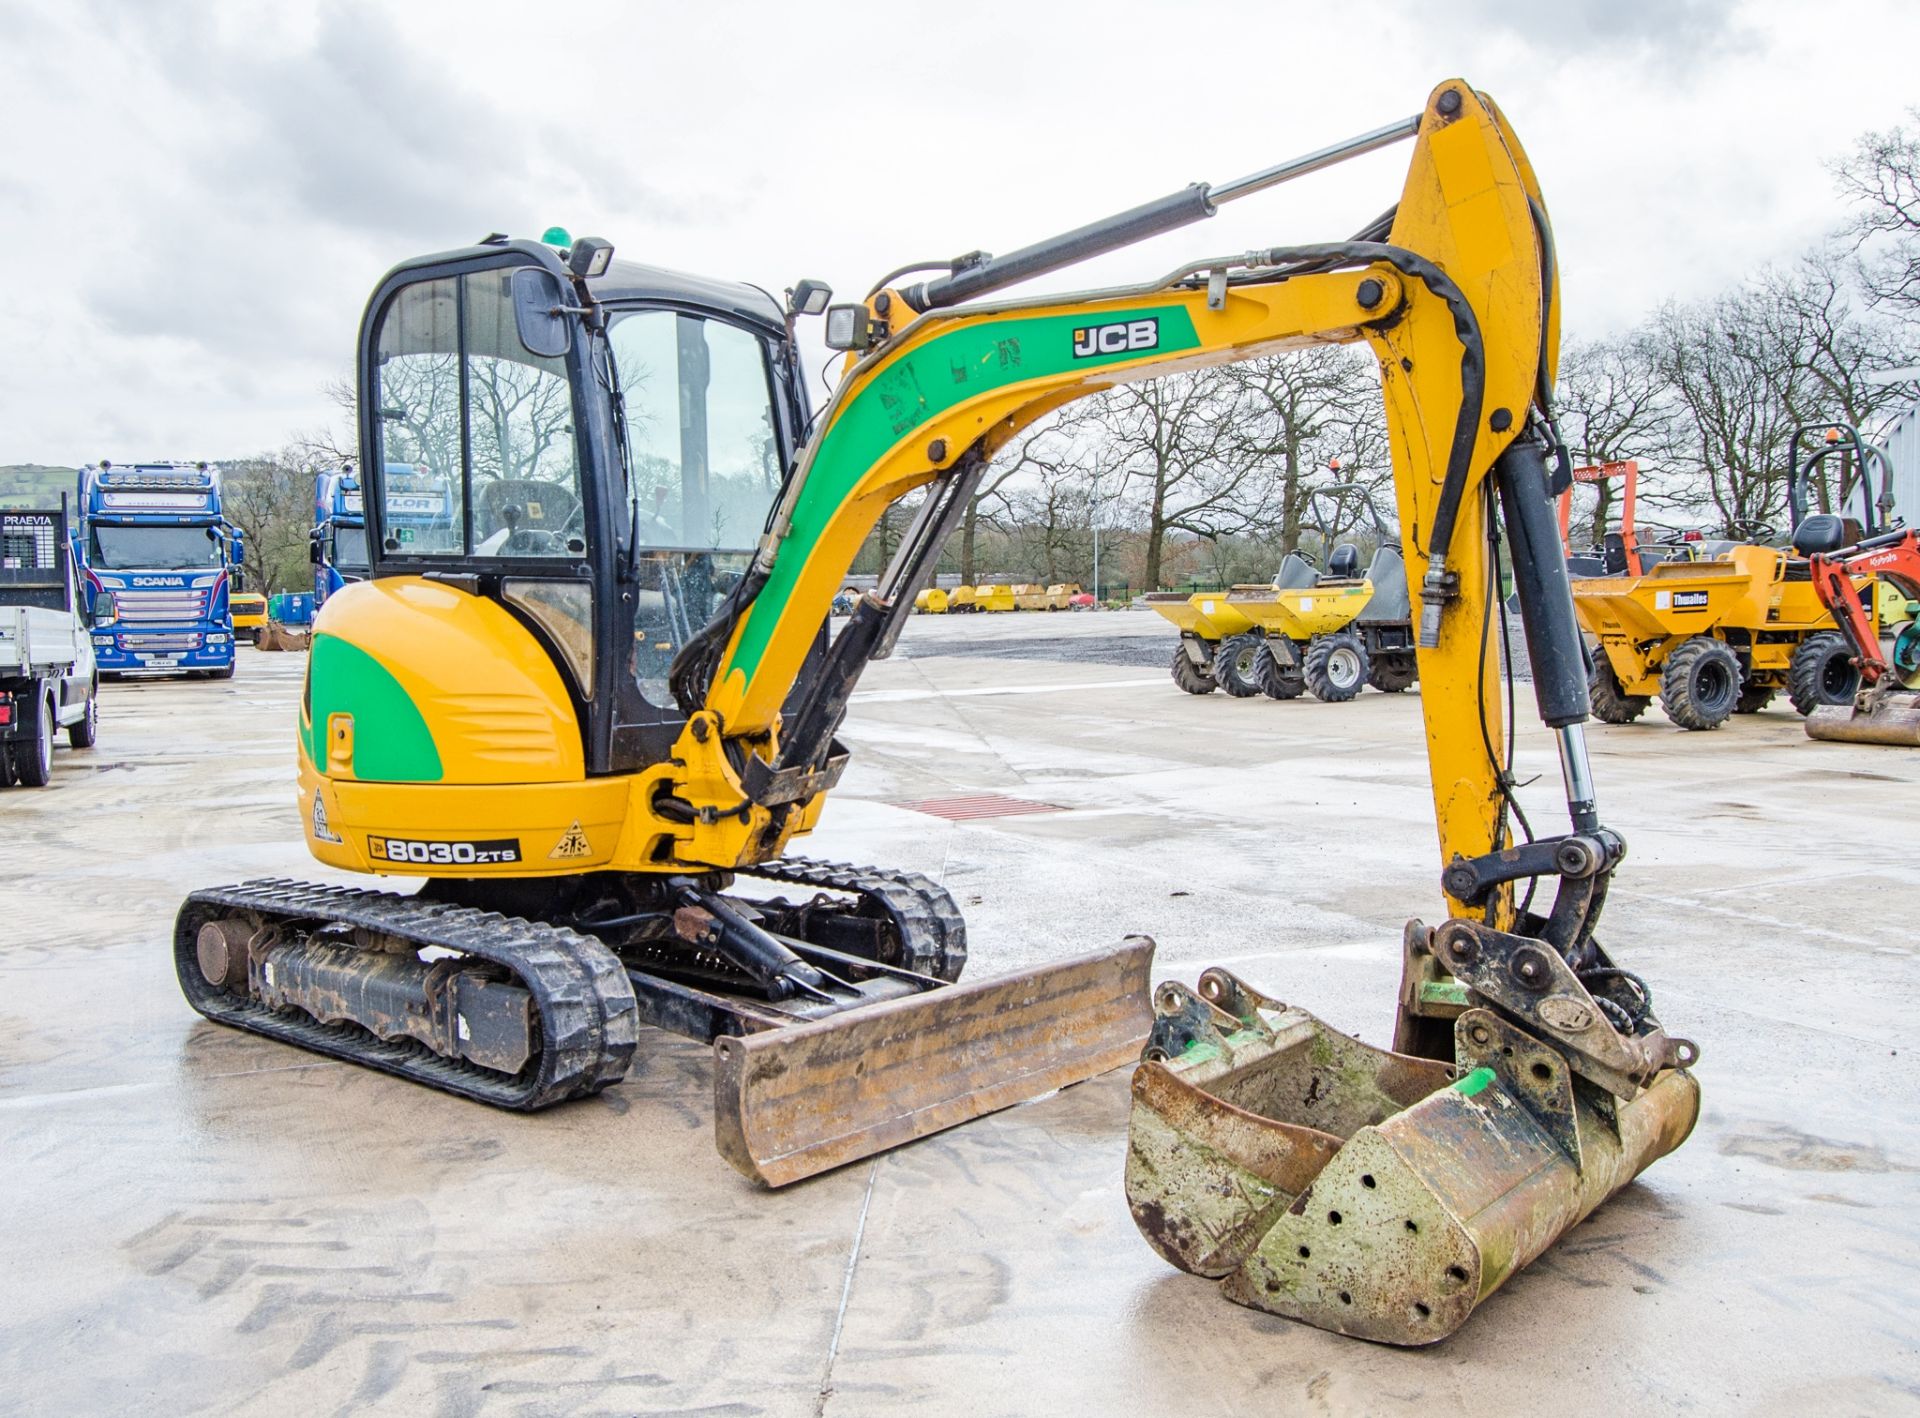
column 705, row 464
column 350, row 548
column 154, row 548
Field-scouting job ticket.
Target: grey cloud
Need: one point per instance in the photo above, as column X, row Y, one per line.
column 1678, row 32
column 313, row 172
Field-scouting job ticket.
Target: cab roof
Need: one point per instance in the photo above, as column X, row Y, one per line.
column 626, row 281
column 631, row 281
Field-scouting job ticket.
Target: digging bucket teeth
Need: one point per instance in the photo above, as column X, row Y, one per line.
column 794, row 1101
column 1890, row 717
column 1370, row 1193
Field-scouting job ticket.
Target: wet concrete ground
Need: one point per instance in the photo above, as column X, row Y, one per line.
column 198, row 1221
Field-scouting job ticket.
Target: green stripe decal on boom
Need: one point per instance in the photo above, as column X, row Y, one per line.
column 947, row 371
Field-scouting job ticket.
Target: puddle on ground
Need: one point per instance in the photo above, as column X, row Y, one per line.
column 1802, row 1152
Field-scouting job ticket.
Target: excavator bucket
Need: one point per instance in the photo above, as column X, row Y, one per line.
column 801, row 1099
column 1886, row 715
column 1370, row 1193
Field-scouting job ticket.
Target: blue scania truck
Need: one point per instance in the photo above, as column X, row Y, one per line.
column 419, row 513
column 339, row 533
column 156, row 536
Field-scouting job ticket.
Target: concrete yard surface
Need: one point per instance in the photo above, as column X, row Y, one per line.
column 201, row 1221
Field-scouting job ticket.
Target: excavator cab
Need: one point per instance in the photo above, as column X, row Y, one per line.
column 611, row 476
column 514, row 707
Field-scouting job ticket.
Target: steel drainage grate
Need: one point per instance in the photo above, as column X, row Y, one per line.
column 972, row 805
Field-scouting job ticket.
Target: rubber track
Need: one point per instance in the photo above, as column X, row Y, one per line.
column 588, row 1021
column 932, row 931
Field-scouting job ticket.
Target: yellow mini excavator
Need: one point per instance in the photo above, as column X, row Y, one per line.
column 588, row 695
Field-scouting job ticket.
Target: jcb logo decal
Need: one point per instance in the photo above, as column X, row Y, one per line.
column 1121, row 337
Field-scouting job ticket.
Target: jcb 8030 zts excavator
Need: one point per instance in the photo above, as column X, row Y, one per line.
column 589, row 694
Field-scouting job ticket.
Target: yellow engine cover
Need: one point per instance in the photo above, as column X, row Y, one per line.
column 438, row 738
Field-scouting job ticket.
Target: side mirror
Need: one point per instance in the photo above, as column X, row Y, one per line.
column 106, row 608
column 540, row 305
column 314, row 553
column 239, row 552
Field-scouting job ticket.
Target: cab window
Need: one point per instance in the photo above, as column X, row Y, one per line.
column 699, row 413
column 478, row 457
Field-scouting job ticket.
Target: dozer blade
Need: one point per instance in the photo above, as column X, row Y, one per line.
column 1888, row 718
column 1365, row 1192
column 795, row 1101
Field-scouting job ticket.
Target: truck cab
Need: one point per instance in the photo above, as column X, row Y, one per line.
column 155, row 536
column 49, row 680
column 339, row 536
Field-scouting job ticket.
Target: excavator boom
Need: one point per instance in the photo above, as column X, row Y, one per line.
column 1532, row 1078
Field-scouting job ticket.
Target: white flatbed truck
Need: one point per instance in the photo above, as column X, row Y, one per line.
column 48, row 678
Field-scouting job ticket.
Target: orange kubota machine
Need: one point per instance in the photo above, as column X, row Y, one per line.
column 1842, row 554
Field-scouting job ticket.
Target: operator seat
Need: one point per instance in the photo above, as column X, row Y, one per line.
column 1295, row 573
column 1822, row 534
column 1344, row 564
column 1613, row 553
column 1390, row 601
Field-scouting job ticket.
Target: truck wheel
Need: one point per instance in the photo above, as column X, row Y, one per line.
column 224, row 672
column 1337, row 667
column 34, row 758
column 1277, row 680
column 8, row 777
column 1236, row 665
column 1753, row 699
column 1392, row 676
column 1700, row 684
column 1822, row 672
column 1611, row 704
column 87, row 730
column 1189, row 676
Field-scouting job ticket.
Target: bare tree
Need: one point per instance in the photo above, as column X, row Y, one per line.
column 1295, row 413
column 1837, row 341
column 1053, row 512
column 991, row 499
column 270, row 498
column 1882, row 179
column 1737, row 387
column 1612, row 406
column 1175, row 442
column 519, row 413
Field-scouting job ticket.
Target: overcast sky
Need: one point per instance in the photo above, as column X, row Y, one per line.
column 196, row 199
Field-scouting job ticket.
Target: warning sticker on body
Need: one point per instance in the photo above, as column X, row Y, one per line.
column 573, row 843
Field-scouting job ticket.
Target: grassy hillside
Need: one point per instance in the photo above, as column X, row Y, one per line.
column 34, row 484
